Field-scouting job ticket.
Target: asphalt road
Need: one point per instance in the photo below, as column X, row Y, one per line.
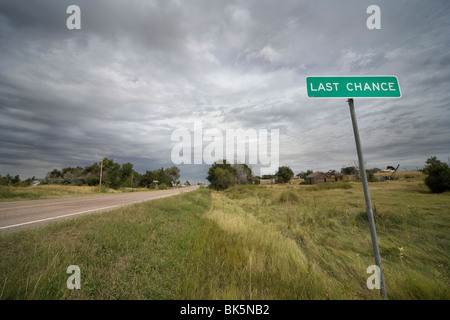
column 24, row 214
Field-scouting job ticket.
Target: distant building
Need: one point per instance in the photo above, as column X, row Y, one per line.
column 316, row 178
column 267, row 181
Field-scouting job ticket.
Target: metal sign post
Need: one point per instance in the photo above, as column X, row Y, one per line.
column 349, row 87
column 362, row 170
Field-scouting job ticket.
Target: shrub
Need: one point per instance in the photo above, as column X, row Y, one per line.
column 438, row 179
column 163, row 186
column 284, row 174
column 222, row 175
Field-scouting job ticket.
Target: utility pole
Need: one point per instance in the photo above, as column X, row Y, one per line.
column 101, row 171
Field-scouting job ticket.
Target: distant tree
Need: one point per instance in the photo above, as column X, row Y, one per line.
column 6, row 180
column 54, row 177
column 390, row 168
column 348, row 170
column 371, row 176
column 73, row 176
column 111, row 173
column 223, row 179
column 69, row 174
column 244, row 173
column 27, row 182
column 92, row 174
column 284, row 174
column 172, row 174
column 147, row 179
column 15, row 180
column 438, row 175
column 71, row 179
column 162, row 177
column 370, row 173
column 307, row 173
column 331, row 173
column 222, row 175
column 187, row 183
column 136, row 179
column 126, row 175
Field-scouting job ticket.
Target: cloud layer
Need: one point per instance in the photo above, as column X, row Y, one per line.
column 136, row 71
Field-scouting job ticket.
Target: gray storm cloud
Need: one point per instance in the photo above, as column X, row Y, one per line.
column 137, row 71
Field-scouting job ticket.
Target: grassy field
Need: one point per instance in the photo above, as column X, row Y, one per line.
column 135, row 252
column 249, row 242
column 8, row 194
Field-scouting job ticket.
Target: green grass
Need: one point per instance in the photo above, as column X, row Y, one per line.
column 236, row 256
column 247, row 242
column 331, row 230
column 137, row 252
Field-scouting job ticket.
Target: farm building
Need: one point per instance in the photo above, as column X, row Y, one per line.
column 267, row 181
column 317, row 177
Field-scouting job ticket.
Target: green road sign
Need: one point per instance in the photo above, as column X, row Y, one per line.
column 353, row 87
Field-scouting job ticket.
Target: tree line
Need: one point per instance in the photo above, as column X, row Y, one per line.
column 9, row 180
column 114, row 175
column 223, row 175
column 220, row 175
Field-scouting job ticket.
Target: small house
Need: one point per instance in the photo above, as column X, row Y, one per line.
column 317, row 177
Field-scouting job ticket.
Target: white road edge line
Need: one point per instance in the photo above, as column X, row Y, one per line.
column 81, row 212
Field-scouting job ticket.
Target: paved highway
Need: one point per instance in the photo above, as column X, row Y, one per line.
column 22, row 214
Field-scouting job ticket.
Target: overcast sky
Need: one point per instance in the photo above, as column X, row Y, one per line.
column 138, row 70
